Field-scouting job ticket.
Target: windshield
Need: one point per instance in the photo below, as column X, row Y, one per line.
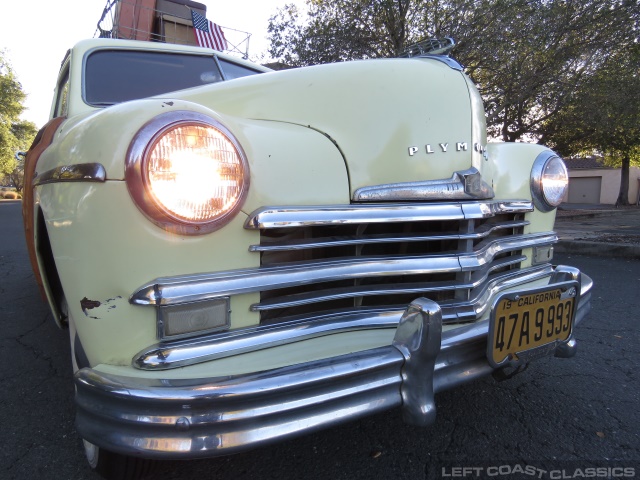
column 114, row 76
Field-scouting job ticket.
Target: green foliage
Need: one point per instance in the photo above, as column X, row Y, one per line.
column 563, row 72
column 604, row 112
column 15, row 134
column 526, row 56
column 341, row 30
column 11, row 92
column 604, row 115
column 8, row 146
column 534, row 54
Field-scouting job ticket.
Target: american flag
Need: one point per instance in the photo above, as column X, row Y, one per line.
column 208, row 34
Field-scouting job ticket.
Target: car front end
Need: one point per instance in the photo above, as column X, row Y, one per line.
column 251, row 260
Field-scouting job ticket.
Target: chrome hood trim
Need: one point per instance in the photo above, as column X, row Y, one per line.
column 463, row 185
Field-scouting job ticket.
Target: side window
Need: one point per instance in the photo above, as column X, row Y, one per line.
column 62, row 100
column 233, row 70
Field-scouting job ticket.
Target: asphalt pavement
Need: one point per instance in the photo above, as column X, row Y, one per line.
column 560, row 417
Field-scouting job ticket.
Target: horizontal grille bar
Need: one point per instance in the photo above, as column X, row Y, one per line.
column 373, row 239
column 184, row 289
column 342, row 259
column 384, row 289
column 385, row 255
column 235, row 342
column 290, row 217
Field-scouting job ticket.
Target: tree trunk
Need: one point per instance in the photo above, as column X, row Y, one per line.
column 623, row 195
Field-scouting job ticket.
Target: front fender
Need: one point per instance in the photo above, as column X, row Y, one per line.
column 511, row 165
column 289, row 164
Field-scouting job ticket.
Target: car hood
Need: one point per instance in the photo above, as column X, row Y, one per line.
column 393, row 120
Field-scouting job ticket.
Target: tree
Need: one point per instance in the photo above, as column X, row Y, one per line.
column 604, row 116
column 526, row 56
column 341, row 30
column 16, row 177
column 15, row 134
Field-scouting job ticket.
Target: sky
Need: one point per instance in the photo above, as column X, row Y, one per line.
column 36, row 34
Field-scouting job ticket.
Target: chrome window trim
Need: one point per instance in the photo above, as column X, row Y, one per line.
column 463, row 185
column 304, row 216
column 192, row 288
column 189, row 352
column 217, row 62
column 81, row 172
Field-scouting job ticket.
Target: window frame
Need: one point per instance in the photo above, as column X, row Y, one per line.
column 218, row 62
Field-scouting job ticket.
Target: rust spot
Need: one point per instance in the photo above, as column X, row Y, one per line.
column 87, row 304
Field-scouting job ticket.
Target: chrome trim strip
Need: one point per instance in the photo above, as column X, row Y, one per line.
column 188, row 352
column 204, row 417
column 170, row 291
column 193, row 288
column 304, row 216
column 251, row 339
column 306, row 298
column 463, row 185
column 473, row 261
column 81, row 172
column 475, row 210
column 376, row 239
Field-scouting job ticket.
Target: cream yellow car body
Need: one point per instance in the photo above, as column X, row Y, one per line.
column 304, row 148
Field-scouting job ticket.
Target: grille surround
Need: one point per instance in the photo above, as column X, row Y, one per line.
column 474, row 267
column 382, row 256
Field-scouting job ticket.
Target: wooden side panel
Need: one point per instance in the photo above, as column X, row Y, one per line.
column 40, row 143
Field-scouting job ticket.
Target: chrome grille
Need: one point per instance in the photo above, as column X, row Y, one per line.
column 363, row 257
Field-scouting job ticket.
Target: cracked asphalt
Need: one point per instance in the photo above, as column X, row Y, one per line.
column 557, row 416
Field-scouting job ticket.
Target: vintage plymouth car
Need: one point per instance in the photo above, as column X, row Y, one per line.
column 242, row 255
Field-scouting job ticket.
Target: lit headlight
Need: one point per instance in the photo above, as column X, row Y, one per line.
column 549, row 181
column 187, row 173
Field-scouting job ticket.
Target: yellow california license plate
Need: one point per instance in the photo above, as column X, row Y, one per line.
column 528, row 324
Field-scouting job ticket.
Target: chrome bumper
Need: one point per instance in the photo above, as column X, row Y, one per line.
column 206, row 417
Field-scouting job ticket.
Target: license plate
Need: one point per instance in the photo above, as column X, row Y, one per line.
column 525, row 325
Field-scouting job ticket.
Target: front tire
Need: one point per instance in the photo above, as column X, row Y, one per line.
column 114, row 466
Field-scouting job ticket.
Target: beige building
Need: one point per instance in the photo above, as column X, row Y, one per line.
column 592, row 182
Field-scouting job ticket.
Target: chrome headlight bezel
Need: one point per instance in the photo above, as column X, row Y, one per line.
column 543, row 200
column 138, row 182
